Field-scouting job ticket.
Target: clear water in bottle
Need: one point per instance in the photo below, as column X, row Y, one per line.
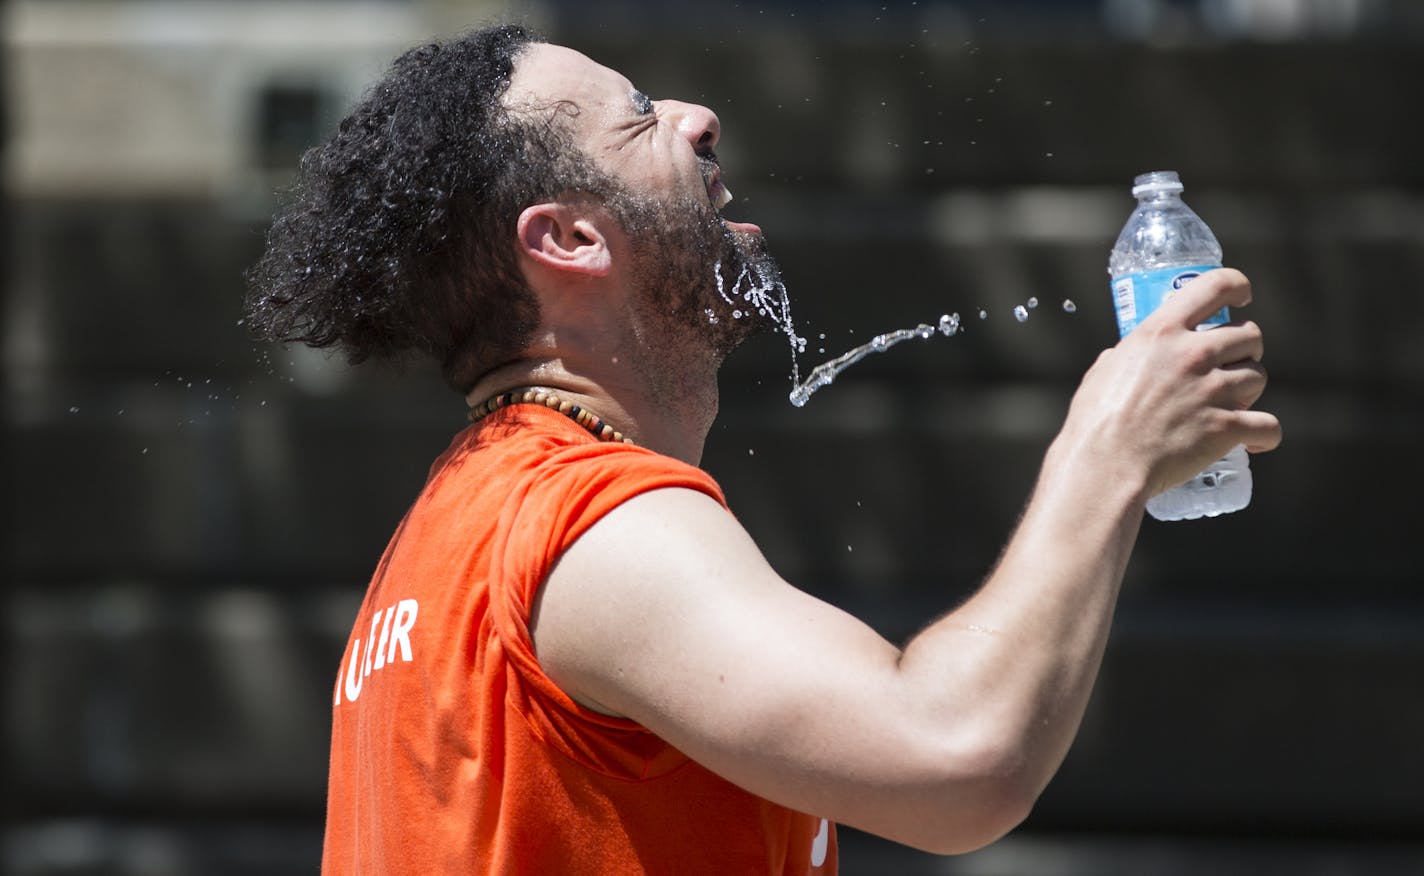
column 1164, row 246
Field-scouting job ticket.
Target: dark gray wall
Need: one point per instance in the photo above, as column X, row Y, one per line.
column 192, row 518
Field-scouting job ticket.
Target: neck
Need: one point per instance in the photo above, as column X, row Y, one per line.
column 671, row 417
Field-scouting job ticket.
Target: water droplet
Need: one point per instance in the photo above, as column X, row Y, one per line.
column 983, row 314
column 1069, row 306
column 1020, row 313
column 144, row 451
column 1032, row 303
column 751, row 451
column 74, row 410
column 736, row 314
column 949, row 324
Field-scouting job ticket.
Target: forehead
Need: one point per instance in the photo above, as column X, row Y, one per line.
column 546, row 74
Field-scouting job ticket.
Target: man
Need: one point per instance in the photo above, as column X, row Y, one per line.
column 571, row 658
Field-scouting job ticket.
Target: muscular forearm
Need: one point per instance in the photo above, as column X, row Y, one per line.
column 1013, row 667
column 1021, row 655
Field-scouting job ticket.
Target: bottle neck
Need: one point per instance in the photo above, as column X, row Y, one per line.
column 1158, row 197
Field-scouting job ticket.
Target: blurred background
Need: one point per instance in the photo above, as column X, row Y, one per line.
column 191, row 518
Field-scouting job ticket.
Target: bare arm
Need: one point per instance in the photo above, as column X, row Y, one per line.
column 666, row 612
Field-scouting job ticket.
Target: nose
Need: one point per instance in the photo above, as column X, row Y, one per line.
column 695, row 122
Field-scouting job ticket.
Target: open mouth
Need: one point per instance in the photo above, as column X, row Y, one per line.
column 717, row 193
column 721, row 196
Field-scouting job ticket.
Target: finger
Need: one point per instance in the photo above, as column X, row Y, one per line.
column 1205, row 295
column 1235, row 342
column 1260, row 431
column 1242, row 384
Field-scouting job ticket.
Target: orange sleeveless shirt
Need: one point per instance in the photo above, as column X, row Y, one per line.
column 452, row 752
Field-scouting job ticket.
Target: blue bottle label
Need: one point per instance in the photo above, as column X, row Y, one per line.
column 1137, row 295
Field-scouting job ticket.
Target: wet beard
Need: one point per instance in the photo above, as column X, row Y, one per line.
column 702, row 281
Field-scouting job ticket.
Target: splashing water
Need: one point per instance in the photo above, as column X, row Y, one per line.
column 825, row 373
column 766, row 296
column 948, row 326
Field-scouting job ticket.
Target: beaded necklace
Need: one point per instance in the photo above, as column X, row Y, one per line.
column 536, row 396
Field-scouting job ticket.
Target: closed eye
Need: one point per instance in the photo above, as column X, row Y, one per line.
column 641, row 102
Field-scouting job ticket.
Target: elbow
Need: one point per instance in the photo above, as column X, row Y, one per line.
column 981, row 799
column 961, row 832
column 983, row 828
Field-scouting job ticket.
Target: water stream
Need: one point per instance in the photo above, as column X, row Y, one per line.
column 825, row 374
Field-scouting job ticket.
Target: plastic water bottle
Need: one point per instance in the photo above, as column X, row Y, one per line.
column 1164, row 246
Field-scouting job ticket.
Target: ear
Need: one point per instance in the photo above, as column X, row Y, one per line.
column 565, row 238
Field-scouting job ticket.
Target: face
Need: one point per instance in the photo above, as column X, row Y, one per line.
column 702, row 271
column 658, row 147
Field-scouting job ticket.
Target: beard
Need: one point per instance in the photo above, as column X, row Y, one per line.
column 698, row 279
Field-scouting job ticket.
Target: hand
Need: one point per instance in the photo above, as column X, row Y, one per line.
column 1168, row 399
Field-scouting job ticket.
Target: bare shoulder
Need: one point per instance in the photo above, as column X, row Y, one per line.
column 666, row 612
column 658, row 568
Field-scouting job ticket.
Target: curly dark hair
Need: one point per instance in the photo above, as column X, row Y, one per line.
column 397, row 236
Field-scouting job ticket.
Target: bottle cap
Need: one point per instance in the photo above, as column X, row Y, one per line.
column 1156, row 181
